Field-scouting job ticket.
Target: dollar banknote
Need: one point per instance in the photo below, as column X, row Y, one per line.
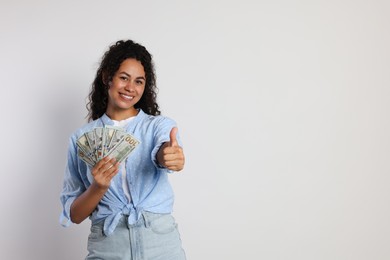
column 105, row 141
column 123, row 148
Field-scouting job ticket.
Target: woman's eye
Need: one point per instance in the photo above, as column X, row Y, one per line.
column 140, row 82
column 123, row 78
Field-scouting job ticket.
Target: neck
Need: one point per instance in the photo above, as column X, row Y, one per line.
column 121, row 115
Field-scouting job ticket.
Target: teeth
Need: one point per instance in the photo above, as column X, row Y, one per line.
column 126, row 96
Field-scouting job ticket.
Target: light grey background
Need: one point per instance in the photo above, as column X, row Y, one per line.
column 283, row 107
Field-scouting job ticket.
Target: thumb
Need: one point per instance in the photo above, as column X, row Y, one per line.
column 172, row 137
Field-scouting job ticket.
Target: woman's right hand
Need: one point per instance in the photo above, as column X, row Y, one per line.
column 86, row 203
column 104, row 171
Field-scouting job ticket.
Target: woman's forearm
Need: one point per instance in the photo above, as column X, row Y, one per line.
column 86, row 203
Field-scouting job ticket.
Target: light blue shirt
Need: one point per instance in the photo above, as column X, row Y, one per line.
column 148, row 183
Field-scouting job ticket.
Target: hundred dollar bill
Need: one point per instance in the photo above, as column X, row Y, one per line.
column 108, row 134
column 92, row 143
column 85, row 158
column 117, row 135
column 83, row 145
column 124, row 147
column 103, row 141
column 99, row 142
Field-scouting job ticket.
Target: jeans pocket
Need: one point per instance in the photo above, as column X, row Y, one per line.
column 97, row 232
column 161, row 223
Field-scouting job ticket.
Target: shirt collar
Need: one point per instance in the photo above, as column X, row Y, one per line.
column 107, row 121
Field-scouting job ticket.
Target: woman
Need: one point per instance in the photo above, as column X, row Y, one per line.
column 129, row 203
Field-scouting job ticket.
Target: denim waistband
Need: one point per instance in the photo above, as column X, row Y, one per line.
column 144, row 221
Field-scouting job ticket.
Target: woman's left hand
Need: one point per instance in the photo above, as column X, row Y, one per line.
column 171, row 155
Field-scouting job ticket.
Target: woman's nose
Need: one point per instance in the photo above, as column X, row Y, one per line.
column 130, row 86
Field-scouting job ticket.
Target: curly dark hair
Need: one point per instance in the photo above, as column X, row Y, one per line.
column 111, row 61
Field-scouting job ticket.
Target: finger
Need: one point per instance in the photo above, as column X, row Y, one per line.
column 173, row 150
column 172, row 137
column 173, row 156
column 175, row 166
column 102, row 162
column 108, row 165
column 110, row 173
column 97, row 168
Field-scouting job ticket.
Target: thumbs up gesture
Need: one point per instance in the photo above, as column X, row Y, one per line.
column 171, row 155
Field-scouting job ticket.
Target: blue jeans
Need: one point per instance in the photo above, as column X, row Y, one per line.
column 153, row 237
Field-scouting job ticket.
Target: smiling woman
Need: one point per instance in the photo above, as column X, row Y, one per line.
column 125, row 90
column 127, row 208
column 115, row 63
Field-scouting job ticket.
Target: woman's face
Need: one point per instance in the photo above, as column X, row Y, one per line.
column 126, row 89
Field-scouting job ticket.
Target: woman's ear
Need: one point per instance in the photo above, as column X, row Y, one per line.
column 105, row 79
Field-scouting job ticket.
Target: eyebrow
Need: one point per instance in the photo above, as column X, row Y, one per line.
column 140, row 77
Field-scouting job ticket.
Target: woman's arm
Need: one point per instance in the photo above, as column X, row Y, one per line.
column 85, row 204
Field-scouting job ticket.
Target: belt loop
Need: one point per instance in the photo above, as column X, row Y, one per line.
column 146, row 220
column 127, row 219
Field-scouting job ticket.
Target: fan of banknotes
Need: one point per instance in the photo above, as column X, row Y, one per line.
column 105, row 141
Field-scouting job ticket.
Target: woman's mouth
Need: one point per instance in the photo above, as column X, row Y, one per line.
column 127, row 97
